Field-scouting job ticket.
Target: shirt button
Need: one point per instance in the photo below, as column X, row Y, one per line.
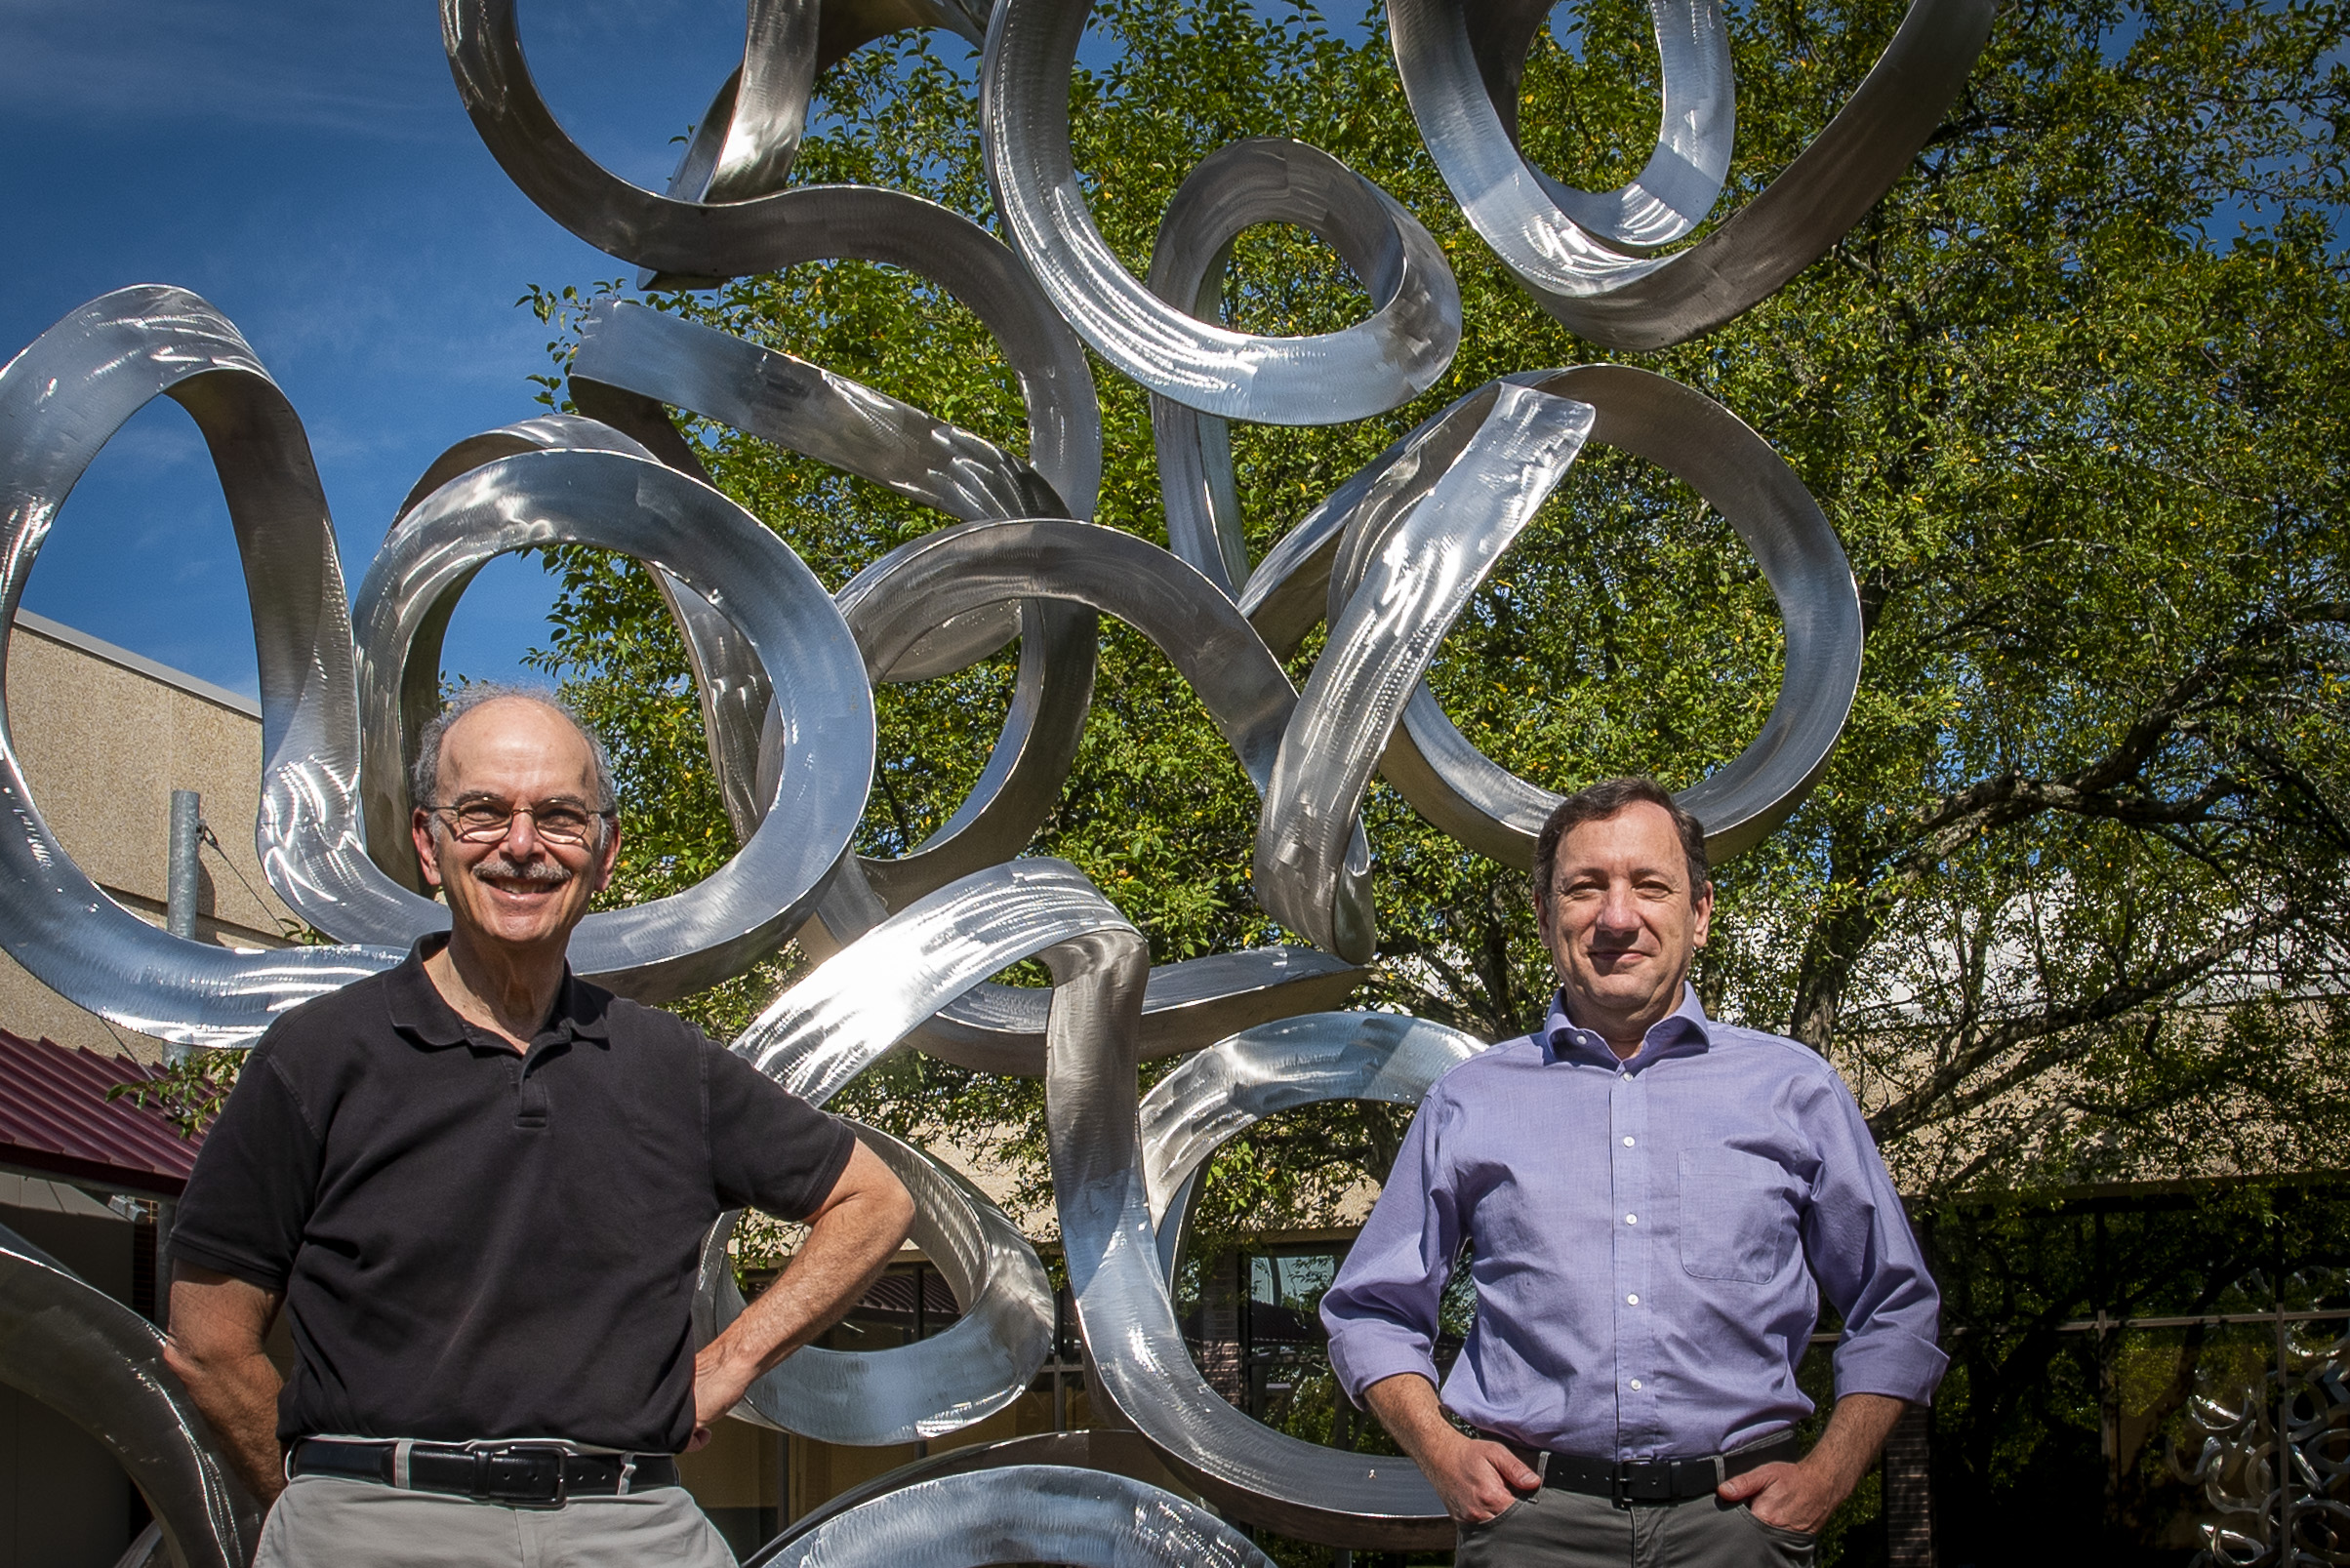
column 1627, row 1142
column 1633, row 1301
column 1632, row 1219
column 1635, row 1382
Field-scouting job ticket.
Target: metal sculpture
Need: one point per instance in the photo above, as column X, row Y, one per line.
column 2272, row 1455
column 785, row 669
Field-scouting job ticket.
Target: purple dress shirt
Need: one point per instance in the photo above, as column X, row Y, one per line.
column 1641, row 1235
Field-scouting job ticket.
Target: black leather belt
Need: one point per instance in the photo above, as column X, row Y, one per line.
column 1654, row 1480
column 522, row 1474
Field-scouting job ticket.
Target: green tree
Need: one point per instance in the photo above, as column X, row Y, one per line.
column 2066, row 902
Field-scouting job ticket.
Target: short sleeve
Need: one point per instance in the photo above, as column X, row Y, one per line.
column 254, row 1181
column 769, row 1149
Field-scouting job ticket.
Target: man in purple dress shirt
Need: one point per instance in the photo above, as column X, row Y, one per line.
column 1648, row 1195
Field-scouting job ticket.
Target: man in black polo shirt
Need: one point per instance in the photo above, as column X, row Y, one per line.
column 479, row 1186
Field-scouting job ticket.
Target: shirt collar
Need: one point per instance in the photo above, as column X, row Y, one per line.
column 1683, row 1031
column 420, row 1011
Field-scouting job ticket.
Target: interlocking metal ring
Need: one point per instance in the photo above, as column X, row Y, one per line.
column 1460, row 66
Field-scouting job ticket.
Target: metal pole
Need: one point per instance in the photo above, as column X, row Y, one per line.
column 180, row 898
column 182, row 877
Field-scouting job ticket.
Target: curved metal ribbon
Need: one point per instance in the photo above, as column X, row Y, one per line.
column 1248, row 1469
column 1684, row 177
column 1120, row 1453
column 797, row 407
column 935, row 1385
column 1322, row 566
column 1238, row 1082
column 388, row 739
column 1087, row 1519
column 853, row 1010
column 955, row 570
column 714, row 929
column 1492, row 811
column 1418, row 571
column 1454, row 69
column 1366, row 369
column 60, row 402
column 744, row 146
column 100, row 1365
column 1234, row 189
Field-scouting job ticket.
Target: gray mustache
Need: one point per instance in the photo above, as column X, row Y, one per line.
column 552, row 872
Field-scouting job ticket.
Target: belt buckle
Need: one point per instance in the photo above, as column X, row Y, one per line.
column 520, row 1486
column 1653, row 1484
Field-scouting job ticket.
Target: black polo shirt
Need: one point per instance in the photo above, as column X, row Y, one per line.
column 474, row 1242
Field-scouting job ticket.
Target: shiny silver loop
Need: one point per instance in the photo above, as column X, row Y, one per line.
column 1085, row 1518
column 1684, row 177
column 1366, row 369
column 935, row 1385
column 100, row 1365
column 1248, row 1469
column 1233, row 190
column 955, row 570
column 874, row 991
column 744, row 146
column 1638, row 302
column 1238, row 1082
column 1120, row 1453
column 1422, row 556
column 765, row 232
column 734, row 697
column 1484, row 806
column 798, row 407
column 61, row 400
column 387, row 741
column 719, row 926
column 814, row 1039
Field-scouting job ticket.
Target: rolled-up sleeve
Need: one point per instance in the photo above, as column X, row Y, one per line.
column 1858, row 1241
column 1381, row 1310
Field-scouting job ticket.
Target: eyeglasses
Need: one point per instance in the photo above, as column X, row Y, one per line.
column 486, row 822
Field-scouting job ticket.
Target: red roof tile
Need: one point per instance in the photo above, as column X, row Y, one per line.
column 54, row 1117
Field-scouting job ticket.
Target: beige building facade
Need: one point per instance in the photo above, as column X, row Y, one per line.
column 105, row 736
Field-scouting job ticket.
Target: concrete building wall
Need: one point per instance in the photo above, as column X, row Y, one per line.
column 105, row 736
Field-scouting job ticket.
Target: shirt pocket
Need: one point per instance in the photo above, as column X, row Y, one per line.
column 1737, row 1215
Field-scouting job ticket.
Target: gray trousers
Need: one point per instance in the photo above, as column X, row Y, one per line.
column 1556, row 1529
column 321, row 1521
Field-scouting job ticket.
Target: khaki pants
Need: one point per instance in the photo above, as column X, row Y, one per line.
column 322, row 1522
column 1555, row 1529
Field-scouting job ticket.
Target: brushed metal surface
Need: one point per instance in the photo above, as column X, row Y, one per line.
column 1093, row 1132
column 100, row 1365
column 1365, row 369
column 1222, row 1091
column 1421, row 557
column 690, row 940
column 1453, row 55
column 1087, row 1518
column 61, row 400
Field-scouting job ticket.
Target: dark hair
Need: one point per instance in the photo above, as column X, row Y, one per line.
column 1595, row 803
column 423, row 778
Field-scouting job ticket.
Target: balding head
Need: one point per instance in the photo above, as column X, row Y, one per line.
column 424, row 781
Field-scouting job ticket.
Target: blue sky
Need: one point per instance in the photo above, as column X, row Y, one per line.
column 309, row 171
